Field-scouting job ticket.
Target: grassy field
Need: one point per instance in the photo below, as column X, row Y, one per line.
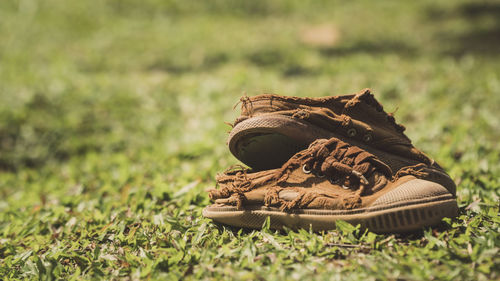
column 112, row 127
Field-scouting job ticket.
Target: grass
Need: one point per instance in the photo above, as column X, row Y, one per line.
column 112, row 126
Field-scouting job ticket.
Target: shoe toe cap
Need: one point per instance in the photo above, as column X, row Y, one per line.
column 414, row 190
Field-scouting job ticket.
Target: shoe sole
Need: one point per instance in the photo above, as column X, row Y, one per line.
column 266, row 142
column 393, row 218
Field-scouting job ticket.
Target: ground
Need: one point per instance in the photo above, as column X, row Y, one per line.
column 112, row 126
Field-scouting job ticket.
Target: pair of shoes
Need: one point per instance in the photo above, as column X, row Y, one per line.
column 318, row 160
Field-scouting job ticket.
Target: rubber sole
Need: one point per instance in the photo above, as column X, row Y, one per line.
column 267, row 141
column 394, row 218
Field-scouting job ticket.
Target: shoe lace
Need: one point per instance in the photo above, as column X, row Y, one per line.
column 340, row 162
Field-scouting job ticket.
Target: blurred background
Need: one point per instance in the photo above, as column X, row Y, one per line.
column 123, row 76
column 119, row 106
column 153, row 81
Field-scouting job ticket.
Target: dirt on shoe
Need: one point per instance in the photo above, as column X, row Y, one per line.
column 272, row 128
column 332, row 180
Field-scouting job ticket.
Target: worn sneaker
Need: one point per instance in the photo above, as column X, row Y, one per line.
column 329, row 181
column 272, row 128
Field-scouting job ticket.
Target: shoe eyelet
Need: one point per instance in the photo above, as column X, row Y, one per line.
column 320, row 175
column 345, row 187
column 351, row 132
column 367, row 138
column 306, row 169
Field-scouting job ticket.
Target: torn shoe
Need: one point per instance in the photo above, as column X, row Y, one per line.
column 332, row 180
column 272, row 128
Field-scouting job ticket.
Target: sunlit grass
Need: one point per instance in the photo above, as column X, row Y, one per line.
column 112, row 127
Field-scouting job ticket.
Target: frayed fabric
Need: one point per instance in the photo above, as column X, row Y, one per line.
column 319, row 160
column 415, row 170
column 358, row 119
column 340, row 164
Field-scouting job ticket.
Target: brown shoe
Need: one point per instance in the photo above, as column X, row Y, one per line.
column 272, row 128
column 330, row 181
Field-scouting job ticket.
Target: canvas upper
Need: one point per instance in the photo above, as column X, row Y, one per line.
column 330, row 174
column 358, row 119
